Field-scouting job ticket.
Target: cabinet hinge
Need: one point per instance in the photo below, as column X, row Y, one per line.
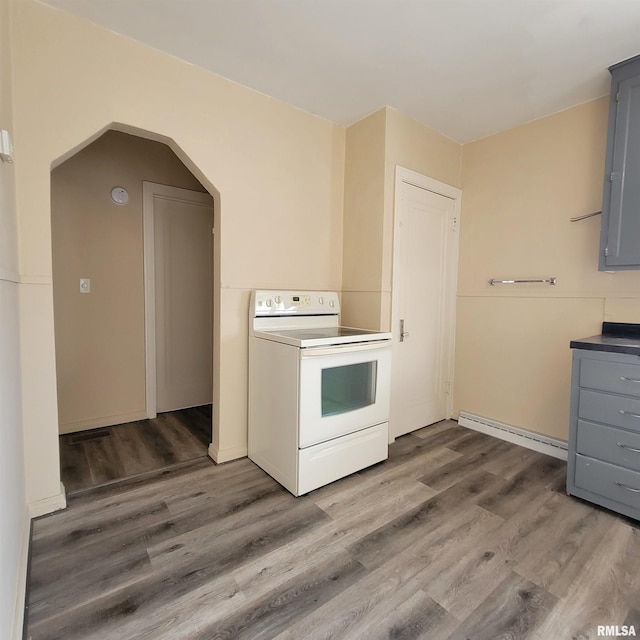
column 618, row 97
column 454, row 224
column 614, row 175
column 606, row 251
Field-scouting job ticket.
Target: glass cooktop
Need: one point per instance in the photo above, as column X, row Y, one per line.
column 321, row 336
column 326, row 332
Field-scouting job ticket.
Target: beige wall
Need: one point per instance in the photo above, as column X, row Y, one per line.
column 520, row 189
column 14, row 522
column 8, row 237
column 276, row 173
column 100, row 339
column 375, row 146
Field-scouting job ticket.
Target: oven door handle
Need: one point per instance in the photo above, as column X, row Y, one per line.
column 313, row 352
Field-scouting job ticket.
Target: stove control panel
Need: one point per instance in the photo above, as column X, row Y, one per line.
column 302, row 301
column 293, row 303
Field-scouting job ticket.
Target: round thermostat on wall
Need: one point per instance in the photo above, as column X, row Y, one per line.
column 119, row 195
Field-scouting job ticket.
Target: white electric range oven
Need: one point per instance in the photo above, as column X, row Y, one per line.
column 318, row 392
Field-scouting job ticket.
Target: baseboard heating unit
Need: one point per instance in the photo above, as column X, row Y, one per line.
column 522, row 437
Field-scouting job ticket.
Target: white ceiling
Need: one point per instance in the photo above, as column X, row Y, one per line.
column 466, row 68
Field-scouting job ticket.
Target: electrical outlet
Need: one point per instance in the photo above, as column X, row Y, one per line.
column 85, row 285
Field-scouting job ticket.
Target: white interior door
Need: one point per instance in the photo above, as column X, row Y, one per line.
column 179, row 230
column 423, row 301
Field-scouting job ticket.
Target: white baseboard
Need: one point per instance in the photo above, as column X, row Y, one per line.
column 104, row 421
column 226, row 455
column 48, row 505
column 21, row 584
column 33, row 510
column 522, row 437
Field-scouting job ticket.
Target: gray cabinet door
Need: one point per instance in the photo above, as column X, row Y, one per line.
column 620, row 242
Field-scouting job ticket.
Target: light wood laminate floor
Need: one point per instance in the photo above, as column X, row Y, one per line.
column 457, row 535
column 108, row 455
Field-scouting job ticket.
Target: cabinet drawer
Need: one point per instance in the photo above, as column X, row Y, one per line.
column 618, row 411
column 609, row 481
column 614, row 377
column 609, row 444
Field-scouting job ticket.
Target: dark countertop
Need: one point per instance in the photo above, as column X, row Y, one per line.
column 616, row 337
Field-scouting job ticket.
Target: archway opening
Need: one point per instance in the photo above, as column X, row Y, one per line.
column 109, row 430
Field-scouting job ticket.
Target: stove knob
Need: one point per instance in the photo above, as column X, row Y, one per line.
column 278, row 299
column 320, row 300
column 332, row 303
column 269, row 303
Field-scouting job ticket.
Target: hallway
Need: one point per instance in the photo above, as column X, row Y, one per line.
column 107, row 455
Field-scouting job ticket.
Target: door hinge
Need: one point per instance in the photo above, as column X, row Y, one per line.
column 454, row 224
column 447, row 387
column 618, row 97
column 614, row 175
column 606, row 251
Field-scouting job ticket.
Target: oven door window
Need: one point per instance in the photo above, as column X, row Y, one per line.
column 341, row 391
column 348, row 388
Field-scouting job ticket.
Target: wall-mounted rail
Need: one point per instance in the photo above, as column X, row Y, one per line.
column 493, row 281
column 584, row 217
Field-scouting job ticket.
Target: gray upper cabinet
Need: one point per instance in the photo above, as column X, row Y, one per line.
column 620, row 234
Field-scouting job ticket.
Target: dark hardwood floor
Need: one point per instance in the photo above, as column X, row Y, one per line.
column 457, row 535
column 89, row 459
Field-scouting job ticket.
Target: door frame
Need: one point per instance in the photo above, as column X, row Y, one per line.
column 151, row 190
column 408, row 176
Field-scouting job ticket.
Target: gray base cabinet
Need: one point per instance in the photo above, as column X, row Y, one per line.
column 604, row 435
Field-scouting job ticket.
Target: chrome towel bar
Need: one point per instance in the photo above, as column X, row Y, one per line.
column 493, row 281
column 588, row 215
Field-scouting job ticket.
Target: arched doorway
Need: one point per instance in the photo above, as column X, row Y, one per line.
column 97, row 249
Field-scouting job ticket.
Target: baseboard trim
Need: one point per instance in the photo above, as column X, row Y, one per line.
column 48, row 505
column 17, row 631
column 522, row 437
column 104, row 421
column 226, row 455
